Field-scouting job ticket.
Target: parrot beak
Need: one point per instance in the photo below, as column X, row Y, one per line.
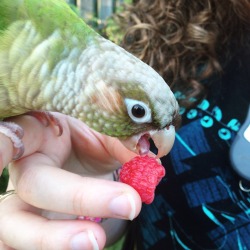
column 163, row 140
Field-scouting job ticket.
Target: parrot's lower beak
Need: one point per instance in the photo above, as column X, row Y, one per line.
column 163, row 140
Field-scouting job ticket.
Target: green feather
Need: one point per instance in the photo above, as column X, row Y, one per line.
column 46, row 15
column 50, row 59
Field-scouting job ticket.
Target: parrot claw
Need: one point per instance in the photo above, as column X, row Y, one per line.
column 15, row 133
column 46, row 118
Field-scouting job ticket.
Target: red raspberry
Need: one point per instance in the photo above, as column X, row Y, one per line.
column 143, row 173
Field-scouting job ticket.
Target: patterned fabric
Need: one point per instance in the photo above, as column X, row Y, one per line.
column 199, row 204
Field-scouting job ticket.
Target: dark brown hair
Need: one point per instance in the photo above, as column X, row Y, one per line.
column 184, row 40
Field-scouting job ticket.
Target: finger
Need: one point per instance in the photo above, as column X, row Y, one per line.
column 34, row 133
column 34, row 136
column 90, row 147
column 4, row 247
column 38, row 137
column 31, row 145
column 117, row 150
column 44, row 234
column 72, row 194
column 91, row 144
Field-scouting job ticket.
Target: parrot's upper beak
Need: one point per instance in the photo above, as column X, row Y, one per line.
column 163, row 140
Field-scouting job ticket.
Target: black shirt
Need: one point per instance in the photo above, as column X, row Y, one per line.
column 199, row 204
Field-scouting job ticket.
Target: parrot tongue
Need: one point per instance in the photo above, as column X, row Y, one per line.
column 163, row 140
column 143, row 145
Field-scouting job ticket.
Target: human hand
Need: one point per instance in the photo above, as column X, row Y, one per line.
column 59, row 178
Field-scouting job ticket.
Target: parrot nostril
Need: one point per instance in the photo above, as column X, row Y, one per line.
column 176, row 122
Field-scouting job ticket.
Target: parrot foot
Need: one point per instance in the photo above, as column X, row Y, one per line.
column 46, row 118
column 15, row 134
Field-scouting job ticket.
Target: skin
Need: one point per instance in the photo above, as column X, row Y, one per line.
column 81, row 161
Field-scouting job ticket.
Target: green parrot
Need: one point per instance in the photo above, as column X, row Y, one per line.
column 50, row 60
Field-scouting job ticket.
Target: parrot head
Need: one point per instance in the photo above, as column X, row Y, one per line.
column 56, row 62
column 129, row 100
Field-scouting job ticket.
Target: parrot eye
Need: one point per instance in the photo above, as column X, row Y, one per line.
column 138, row 111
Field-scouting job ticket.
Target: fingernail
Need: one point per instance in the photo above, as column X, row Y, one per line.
column 123, row 206
column 84, row 240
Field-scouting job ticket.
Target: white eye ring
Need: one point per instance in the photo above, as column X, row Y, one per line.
column 138, row 111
